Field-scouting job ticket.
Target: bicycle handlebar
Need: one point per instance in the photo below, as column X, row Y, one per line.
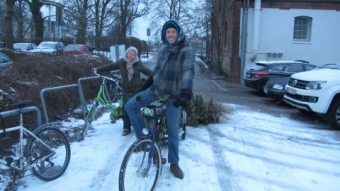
column 107, row 77
column 151, row 106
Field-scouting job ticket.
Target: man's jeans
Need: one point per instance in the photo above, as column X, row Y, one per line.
column 172, row 116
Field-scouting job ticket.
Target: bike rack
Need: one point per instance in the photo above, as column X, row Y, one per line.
column 24, row 110
column 80, row 93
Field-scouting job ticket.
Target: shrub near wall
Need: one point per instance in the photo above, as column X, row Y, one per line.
column 204, row 112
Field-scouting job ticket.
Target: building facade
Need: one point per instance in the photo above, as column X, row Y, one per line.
column 281, row 30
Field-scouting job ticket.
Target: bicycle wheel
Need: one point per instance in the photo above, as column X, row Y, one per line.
column 48, row 163
column 114, row 91
column 141, row 167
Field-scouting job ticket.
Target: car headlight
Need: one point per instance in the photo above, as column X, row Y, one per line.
column 278, row 87
column 315, row 85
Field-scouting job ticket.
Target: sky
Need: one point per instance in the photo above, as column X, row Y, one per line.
column 140, row 30
column 248, row 150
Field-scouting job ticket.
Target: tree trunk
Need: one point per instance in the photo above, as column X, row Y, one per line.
column 8, row 24
column 20, row 19
column 38, row 20
column 81, row 31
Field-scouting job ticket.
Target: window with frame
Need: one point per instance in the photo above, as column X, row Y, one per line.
column 302, row 29
column 294, row 68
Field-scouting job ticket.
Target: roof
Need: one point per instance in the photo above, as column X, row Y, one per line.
column 265, row 62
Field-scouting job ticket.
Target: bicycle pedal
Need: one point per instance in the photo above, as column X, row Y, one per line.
column 163, row 160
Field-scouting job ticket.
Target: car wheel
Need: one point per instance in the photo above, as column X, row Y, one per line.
column 333, row 116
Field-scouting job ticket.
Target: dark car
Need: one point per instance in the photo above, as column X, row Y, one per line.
column 77, row 49
column 275, row 88
column 4, row 60
column 257, row 77
column 279, row 77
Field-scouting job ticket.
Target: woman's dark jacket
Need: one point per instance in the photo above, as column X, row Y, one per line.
column 130, row 88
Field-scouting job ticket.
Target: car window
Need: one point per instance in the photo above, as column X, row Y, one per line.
column 29, row 47
column 294, row 68
column 47, row 45
column 277, row 68
column 257, row 67
column 72, row 48
column 309, row 67
column 4, row 58
column 19, row 46
column 61, row 45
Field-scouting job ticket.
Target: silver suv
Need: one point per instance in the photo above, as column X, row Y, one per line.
column 49, row 47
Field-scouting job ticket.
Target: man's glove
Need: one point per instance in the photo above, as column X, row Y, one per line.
column 147, row 84
column 184, row 98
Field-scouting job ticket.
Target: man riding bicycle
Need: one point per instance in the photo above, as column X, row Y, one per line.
column 172, row 79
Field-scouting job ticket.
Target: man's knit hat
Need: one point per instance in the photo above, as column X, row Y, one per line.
column 172, row 25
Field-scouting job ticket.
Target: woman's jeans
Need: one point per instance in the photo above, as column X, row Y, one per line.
column 133, row 108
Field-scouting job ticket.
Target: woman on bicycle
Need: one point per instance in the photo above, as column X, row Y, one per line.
column 130, row 67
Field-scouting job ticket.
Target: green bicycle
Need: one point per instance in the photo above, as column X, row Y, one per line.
column 109, row 91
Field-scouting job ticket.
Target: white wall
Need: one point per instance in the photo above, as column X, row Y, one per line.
column 276, row 35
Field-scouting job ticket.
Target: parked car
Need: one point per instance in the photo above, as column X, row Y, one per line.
column 330, row 66
column 275, row 86
column 257, row 77
column 77, row 49
column 49, row 47
column 317, row 91
column 4, row 60
column 24, row 46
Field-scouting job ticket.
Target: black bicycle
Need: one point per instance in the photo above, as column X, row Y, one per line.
column 142, row 164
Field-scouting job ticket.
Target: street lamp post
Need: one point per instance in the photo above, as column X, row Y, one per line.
column 147, row 44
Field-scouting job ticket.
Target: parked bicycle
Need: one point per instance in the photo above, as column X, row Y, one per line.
column 110, row 90
column 142, row 164
column 45, row 151
column 114, row 87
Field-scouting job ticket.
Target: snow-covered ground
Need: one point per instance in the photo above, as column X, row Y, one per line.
column 247, row 150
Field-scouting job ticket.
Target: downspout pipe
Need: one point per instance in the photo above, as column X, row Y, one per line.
column 256, row 33
column 244, row 34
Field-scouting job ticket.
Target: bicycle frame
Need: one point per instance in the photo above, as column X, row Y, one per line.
column 22, row 130
column 103, row 98
column 21, row 138
column 103, row 94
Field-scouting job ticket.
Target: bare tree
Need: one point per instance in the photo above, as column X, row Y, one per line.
column 187, row 12
column 77, row 17
column 103, row 17
column 129, row 11
column 35, row 6
column 22, row 18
